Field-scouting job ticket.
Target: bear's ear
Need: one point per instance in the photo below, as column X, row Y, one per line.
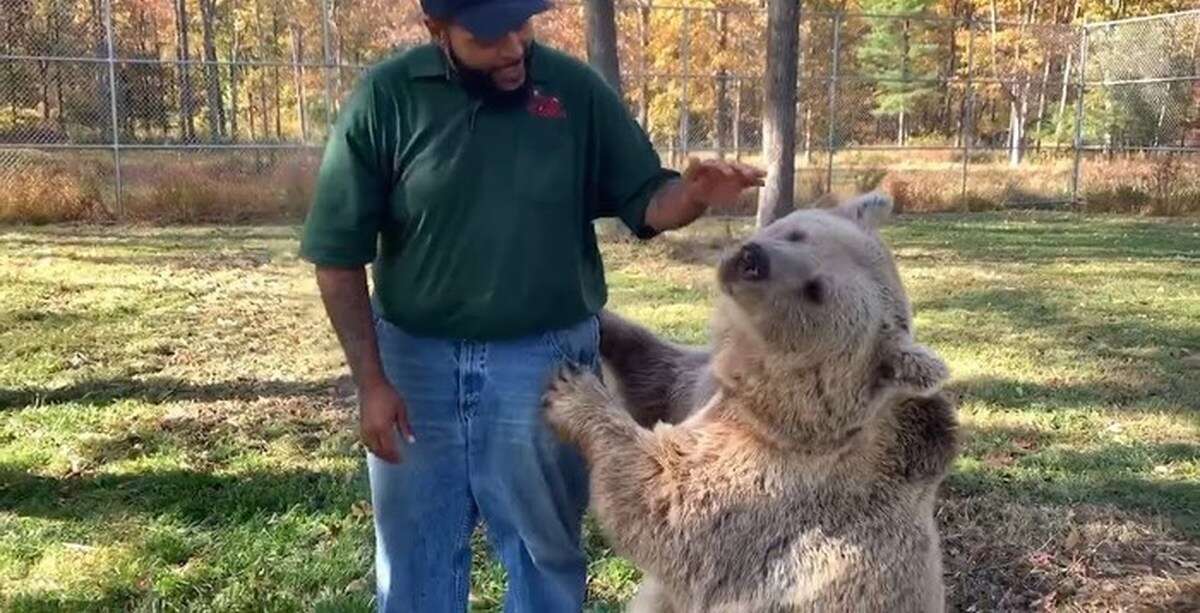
column 871, row 210
column 828, row 200
column 914, row 369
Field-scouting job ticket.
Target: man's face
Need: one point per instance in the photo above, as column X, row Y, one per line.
column 502, row 59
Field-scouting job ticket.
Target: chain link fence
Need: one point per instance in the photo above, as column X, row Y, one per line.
column 218, row 110
column 1138, row 121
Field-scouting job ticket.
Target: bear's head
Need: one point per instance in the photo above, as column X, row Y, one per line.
column 819, row 288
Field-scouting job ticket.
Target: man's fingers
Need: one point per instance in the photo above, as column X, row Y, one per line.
column 751, row 174
column 405, row 428
column 382, row 444
column 385, row 447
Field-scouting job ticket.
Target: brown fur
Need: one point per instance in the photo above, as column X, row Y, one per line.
column 794, row 465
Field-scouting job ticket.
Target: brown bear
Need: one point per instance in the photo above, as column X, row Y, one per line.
column 793, row 466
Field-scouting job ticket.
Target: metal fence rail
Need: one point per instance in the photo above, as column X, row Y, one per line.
column 134, row 107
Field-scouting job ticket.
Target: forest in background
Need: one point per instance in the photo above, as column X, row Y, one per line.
column 997, row 77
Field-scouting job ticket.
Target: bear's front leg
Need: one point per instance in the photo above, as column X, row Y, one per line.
column 629, row 498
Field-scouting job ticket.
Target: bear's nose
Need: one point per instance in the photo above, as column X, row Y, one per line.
column 752, row 263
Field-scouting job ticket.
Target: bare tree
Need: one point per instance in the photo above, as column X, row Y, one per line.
column 602, row 41
column 602, row 55
column 722, row 102
column 216, row 107
column 188, row 125
column 298, row 77
column 779, row 114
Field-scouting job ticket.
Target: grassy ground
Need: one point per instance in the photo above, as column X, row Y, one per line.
column 175, row 429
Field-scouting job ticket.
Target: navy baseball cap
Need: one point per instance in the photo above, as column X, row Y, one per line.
column 485, row 19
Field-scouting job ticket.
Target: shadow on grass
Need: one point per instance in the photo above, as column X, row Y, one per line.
column 190, row 496
column 205, row 260
column 1020, row 395
column 162, row 389
column 1123, row 344
column 1116, row 474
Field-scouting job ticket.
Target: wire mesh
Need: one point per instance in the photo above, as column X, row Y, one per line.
column 1143, row 77
column 922, row 98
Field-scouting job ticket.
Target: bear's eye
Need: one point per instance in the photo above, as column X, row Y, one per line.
column 796, row 236
column 814, row 291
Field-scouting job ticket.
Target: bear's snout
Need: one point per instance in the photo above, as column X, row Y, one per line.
column 750, row 263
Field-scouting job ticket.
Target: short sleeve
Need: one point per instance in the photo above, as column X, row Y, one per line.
column 629, row 171
column 353, row 182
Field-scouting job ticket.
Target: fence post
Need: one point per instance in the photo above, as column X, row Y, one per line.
column 684, row 121
column 833, row 78
column 1082, row 89
column 968, row 110
column 112, row 104
column 737, row 119
column 326, row 61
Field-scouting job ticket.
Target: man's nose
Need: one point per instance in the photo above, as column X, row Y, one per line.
column 511, row 49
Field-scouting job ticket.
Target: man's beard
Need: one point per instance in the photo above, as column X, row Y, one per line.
column 480, row 84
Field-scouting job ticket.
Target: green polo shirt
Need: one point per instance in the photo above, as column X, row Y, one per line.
column 478, row 220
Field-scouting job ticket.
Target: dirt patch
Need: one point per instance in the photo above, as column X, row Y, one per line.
column 1001, row 554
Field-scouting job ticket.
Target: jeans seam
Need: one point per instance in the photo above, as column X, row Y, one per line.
column 459, row 578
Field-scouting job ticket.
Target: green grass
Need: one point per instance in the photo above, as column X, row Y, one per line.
column 175, row 431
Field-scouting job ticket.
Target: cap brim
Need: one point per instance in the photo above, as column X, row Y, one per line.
column 493, row 20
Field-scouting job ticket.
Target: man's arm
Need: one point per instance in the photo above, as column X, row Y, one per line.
column 347, row 303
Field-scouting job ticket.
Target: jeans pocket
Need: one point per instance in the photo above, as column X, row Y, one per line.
column 578, row 344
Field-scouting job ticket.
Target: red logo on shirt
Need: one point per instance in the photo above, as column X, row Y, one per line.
column 546, row 107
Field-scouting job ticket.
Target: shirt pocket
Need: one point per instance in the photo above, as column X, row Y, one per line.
column 546, row 171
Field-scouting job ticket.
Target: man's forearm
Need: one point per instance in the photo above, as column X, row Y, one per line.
column 672, row 207
column 348, row 304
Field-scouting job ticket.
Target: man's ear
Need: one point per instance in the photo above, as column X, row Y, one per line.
column 913, row 368
column 871, row 210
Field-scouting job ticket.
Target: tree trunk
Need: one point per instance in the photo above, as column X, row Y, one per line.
column 808, row 135
column 951, row 66
column 278, row 104
column 212, row 72
column 187, row 115
column 722, row 103
column 44, row 79
column 779, row 112
column 601, row 34
column 685, row 103
column 1066, row 81
column 736, row 123
column 264, row 110
column 644, row 68
column 102, row 85
column 1016, row 132
column 234, row 103
column 602, row 41
column 298, row 78
column 905, row 75
column 275, row 34
column 1041, row 111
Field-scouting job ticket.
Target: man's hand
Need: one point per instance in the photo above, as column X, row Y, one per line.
column 705, row 184
column 716, row 183
column 381, row 412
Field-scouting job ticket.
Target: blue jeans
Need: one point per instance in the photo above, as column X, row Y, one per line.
column 482, row 451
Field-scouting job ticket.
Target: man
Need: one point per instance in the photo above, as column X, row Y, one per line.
column 469, row 171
